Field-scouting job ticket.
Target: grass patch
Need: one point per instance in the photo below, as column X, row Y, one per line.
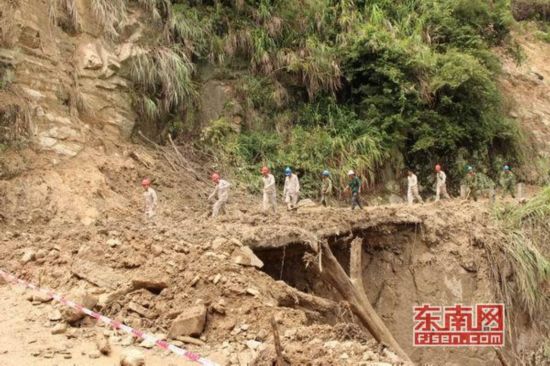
column 525, row 244
column 164, row 72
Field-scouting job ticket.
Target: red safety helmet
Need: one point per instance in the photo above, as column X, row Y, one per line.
column 146, row 182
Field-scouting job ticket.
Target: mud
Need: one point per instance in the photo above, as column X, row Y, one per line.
column 432, row 253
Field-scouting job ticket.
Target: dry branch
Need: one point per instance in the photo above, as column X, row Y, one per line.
column 278, row 347
column 356, row 267
column 335, row 275
column 184, row 163
column 291, row 297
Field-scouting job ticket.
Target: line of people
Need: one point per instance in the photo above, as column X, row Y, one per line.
column 291, row 190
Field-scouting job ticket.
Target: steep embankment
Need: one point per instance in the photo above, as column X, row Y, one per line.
column 66, row 99
column 527, row 89
column 436, row 253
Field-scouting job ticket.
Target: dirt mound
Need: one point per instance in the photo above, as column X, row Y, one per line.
column 149, row 275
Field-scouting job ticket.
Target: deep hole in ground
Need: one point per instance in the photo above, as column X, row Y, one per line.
column 287, row 263
column 393, row 262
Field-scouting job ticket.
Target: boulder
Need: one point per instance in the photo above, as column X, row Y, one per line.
column 218, row 242
column 113, row 242
column 246, row 257
column 150, row 282
column 55, row 316
column 137, row 308
column 150, row 343
column 253, row 344
column 132, row 357
column 38, row 297
column 82, row 297
column 28, row 256
column 189, row 323
column 98, row 274
column 103, row 345
column 59, row 328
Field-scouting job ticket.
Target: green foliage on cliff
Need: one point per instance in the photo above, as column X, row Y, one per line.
column 349, row 84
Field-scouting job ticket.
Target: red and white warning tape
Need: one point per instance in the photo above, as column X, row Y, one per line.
column 113, row 323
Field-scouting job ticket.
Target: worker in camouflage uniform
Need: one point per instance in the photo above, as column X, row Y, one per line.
column 326, row 189
column 478, row 183
column 354, row 185
column 472, row 182
column 507, row 181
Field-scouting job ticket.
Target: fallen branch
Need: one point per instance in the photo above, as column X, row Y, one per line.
column 136, row 156
column 184, row 163
column 335, row 275
column 292, row 297
column 355, row 264
column 157, row 146
column 280, row 361
column 169, row 161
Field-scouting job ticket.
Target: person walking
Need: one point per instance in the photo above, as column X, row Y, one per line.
column 150, row 199
column 507, row 181
column 291, row 190
column 222, row 192
column 412, row 188
column 472, row 183
column 269, row 202
column 326, row 189
column 354, row 185
column 440, row 183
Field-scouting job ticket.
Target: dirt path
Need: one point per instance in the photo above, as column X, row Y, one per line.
column 25, row 338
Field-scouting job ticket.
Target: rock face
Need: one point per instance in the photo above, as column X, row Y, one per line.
column 527, row 87
column 189, row 323
column 67, row 90
column 67, row 77
column 217, row 99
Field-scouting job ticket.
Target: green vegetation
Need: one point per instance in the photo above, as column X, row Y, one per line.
column 526, row 234
column 543, row 32
column 336, row 84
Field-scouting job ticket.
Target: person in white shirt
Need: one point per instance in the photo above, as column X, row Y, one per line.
column 412, row 189
column 150, row 199
column 222, row 191
column 291, row 191
column 269, row 192
column 440, row 183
